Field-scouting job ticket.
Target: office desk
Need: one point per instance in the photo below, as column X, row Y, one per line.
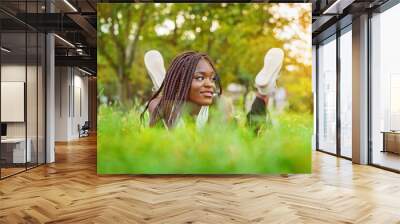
column 16, row 148
column 391, row 141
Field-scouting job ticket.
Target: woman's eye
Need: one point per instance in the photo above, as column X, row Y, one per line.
column 214, row 78
column 199, row 78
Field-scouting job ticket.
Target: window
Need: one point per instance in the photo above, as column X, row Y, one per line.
column 346, row 93
column 327, row 96
column 385, row 89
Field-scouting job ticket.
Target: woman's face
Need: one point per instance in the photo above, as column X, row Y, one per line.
column 203, row 84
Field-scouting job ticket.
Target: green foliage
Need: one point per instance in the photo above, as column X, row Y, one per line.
column 127, row 147
column 236, row 36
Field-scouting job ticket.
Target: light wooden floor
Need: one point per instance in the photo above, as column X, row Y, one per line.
column 70, row 191
column 387, row 159
column 10, row 171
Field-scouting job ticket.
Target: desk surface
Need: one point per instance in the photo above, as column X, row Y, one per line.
column 13, row 140
column 391, row 132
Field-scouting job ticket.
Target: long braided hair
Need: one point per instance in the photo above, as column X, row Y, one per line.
column 175, row 88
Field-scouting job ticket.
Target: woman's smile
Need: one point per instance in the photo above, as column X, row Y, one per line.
column 207, row 93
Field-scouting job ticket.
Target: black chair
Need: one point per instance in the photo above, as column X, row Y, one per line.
column 84, row 130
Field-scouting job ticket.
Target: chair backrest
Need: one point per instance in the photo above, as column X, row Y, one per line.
column 86, row 125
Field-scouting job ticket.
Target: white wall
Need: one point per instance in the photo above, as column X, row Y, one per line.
column 61, row 103
column 13, row 72
column 71, row 94
column 80, row 110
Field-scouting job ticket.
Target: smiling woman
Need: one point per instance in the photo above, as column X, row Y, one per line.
column 190, row 82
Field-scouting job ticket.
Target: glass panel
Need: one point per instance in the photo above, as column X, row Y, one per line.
column 23, row 88
column 386, row 89
column 346, row 94
column 32, row 86
column 41, row 98
column 13, row 86
column 31, row 98
column 327, row 97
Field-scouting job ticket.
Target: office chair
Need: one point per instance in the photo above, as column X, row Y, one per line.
column 84, row 130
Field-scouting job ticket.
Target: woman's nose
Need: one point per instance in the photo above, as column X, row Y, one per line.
column 209, row 82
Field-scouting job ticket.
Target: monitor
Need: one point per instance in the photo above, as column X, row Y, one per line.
column 3, row 129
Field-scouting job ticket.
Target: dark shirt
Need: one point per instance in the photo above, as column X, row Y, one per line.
column 258, row 116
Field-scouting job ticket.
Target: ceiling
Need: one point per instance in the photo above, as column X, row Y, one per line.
column 74, row 22
column 330, row 15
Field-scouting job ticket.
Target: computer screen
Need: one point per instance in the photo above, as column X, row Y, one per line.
column 3, row 129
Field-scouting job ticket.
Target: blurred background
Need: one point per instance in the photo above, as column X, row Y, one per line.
column 235, row 36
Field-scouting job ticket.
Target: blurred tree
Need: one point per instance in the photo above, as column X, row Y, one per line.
column 118, row 37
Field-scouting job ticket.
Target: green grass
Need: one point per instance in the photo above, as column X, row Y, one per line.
column 127, row 147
